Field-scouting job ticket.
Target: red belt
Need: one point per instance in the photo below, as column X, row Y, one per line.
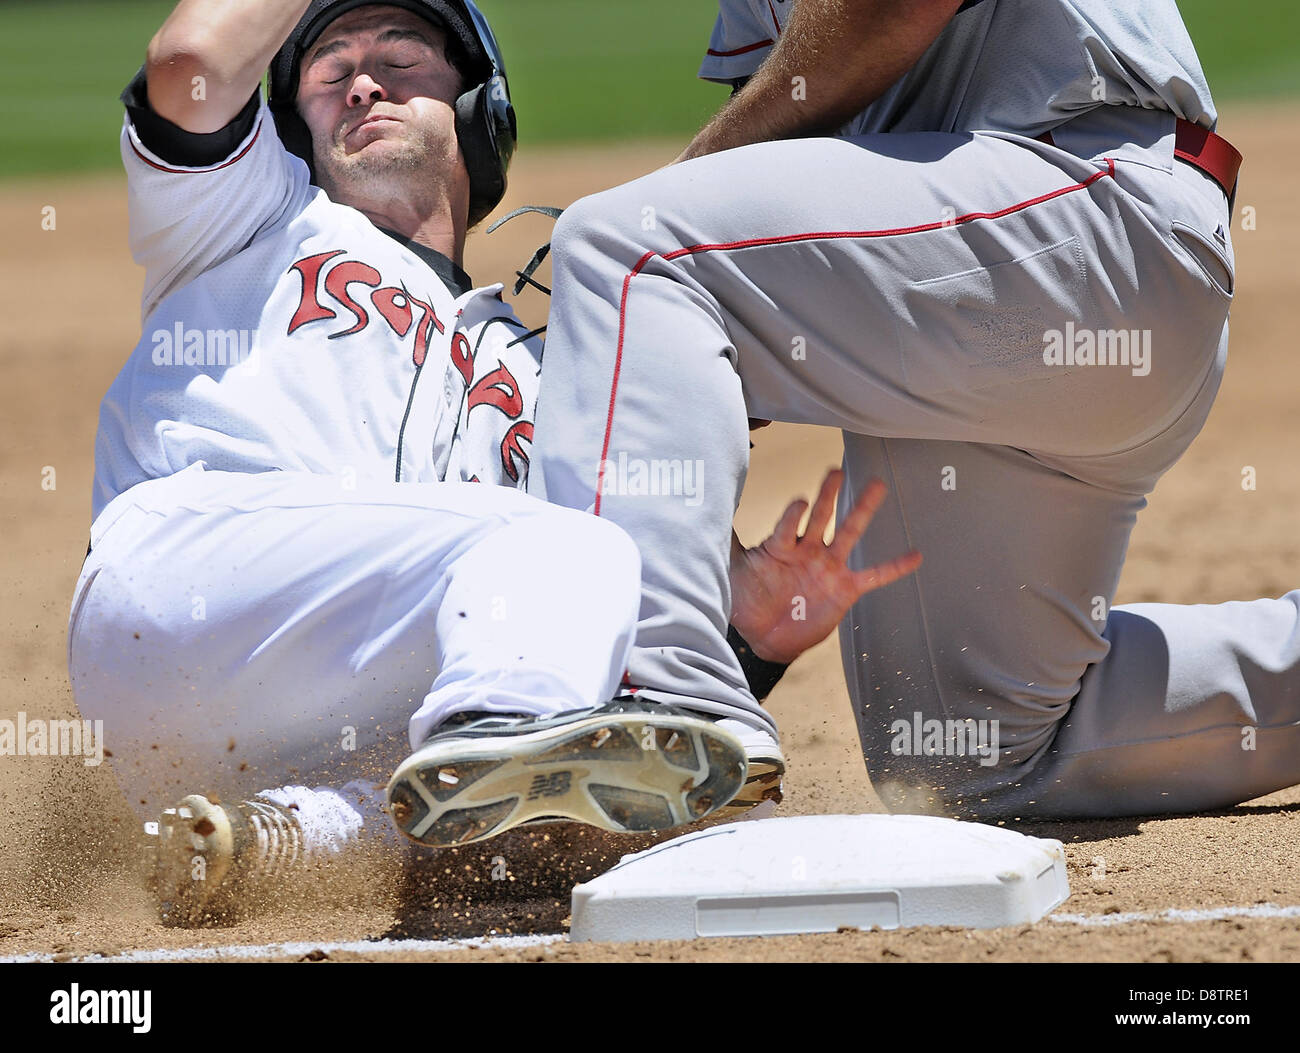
column 1202, row 149
column 1211, row 153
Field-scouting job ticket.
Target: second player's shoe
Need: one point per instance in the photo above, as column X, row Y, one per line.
column 626, row 766
column 764, row 771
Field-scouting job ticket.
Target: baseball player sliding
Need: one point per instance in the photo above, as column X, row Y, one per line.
column 990, row 241
column 298, row 550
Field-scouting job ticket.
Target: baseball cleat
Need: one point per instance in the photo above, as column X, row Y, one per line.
column 626, row 766
column 211, row 857
column 764, row 769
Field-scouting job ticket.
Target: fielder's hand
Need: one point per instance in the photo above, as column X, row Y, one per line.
column 789, row 592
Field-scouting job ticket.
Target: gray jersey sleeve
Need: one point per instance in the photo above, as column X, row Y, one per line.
column 1023, row 66
column 739, row 43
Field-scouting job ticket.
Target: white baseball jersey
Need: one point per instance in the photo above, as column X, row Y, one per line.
column 1020, row 66
column 282, row 330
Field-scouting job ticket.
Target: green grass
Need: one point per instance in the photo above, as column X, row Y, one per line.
column 62, row 65
column 580, row 70
column 1249, row 49
column 608, row 69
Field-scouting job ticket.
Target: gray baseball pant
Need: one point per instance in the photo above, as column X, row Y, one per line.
column 1020, row 338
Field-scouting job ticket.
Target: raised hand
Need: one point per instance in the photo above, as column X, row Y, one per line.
column 789, row 592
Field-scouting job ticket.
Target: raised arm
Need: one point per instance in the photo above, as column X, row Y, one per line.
column 847, row 52
column 229, row 43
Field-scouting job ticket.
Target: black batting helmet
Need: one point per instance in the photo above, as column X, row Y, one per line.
column 485, row 119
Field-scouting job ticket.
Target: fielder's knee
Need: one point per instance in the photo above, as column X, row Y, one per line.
column 965, row 768
column 615, row 224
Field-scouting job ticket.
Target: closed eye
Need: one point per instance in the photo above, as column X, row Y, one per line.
column 391, row 65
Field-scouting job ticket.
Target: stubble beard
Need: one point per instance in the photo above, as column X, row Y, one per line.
column 386, row 168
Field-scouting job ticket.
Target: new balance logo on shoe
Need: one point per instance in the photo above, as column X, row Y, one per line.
column 552, row 785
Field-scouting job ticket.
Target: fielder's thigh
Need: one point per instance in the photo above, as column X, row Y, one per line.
column 973, row 287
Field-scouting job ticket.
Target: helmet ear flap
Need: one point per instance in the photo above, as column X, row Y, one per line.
column 485, row 127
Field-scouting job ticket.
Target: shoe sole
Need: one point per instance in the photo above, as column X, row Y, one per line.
column 623, row 772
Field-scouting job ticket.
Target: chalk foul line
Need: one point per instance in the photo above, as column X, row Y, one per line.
column 301, row 948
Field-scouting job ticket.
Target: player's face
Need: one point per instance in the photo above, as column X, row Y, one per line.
column 377, row 92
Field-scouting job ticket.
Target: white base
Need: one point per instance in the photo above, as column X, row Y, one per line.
column 819, row 873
